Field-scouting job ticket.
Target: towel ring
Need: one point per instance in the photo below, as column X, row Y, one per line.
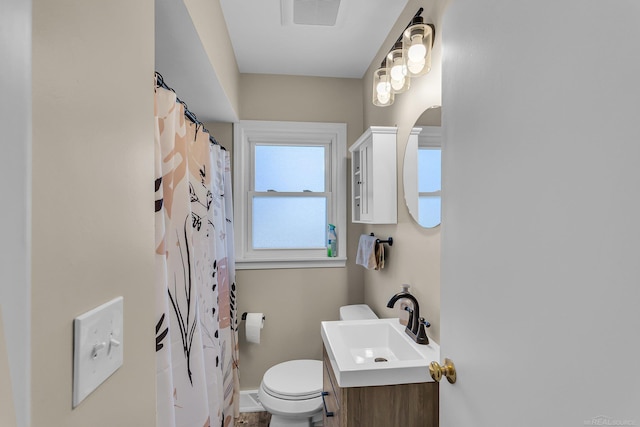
column 389, row 240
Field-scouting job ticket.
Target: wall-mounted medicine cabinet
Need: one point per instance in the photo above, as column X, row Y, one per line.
column 374, row 176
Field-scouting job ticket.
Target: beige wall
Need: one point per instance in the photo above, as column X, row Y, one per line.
column 414, row 257
column 295, row 301
column 93, row 223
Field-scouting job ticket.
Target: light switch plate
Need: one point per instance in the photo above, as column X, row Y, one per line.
column 97, row 347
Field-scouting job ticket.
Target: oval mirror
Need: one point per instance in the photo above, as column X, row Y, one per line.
column 422, row 169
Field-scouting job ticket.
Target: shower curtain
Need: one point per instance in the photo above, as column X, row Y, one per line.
column 196, row 329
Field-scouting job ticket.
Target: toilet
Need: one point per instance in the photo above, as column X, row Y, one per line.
column 357, row 312
column 291, row 391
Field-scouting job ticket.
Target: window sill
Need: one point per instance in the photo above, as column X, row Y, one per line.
column 268, row 264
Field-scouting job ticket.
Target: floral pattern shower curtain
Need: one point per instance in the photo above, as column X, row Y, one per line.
column 196, row 329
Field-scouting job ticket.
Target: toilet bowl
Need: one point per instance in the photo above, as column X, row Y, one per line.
column 291, row 391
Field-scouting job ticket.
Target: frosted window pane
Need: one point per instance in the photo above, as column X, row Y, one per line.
column 429, row 170
column 429, row 211
column 289, row 222
column 288, row 168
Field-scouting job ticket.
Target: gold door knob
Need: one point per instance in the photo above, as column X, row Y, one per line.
column 448, row 369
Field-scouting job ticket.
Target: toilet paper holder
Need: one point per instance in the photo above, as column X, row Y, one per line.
column 244, row 316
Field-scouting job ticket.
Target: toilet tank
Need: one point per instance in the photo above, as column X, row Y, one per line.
column 356, row 312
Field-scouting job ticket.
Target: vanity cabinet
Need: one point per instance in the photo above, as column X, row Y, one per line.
column 374, row 177
column 407, row 405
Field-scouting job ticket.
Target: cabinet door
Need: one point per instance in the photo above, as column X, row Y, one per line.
column 331, row 396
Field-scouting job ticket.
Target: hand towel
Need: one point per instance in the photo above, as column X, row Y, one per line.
column 366, row 255
column 379, row 258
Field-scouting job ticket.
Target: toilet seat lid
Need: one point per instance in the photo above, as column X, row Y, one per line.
column 294, row 380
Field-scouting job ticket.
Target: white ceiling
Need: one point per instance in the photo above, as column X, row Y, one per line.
column 267, row 41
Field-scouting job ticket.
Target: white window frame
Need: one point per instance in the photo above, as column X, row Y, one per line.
column 247, row 133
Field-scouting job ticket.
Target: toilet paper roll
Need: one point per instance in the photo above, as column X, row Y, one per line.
column 253, row 325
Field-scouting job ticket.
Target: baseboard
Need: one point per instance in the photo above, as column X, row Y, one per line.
column 249, row 401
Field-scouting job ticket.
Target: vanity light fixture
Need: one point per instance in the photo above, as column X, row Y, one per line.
column 409, row 57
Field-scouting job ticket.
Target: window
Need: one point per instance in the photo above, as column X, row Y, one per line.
column 429, row 177
column 289, row 185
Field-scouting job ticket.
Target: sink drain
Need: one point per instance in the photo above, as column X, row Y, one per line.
column 380, row 359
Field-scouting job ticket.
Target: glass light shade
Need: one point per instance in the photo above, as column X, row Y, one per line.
column 398, row 72
column 382, row 95
column 416, row 44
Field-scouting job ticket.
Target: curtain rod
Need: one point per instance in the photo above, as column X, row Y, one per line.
column 187, row 113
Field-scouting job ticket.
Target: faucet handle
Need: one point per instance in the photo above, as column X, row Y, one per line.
column 421, row 335
column 424, row 322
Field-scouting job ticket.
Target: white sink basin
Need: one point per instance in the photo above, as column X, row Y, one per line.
column 376, row 352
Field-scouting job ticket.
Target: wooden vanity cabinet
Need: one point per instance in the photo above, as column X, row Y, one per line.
column 406, row 405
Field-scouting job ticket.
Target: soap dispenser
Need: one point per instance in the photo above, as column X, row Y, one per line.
column 404, row 303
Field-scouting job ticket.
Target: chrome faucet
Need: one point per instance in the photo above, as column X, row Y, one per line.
column 416, row 325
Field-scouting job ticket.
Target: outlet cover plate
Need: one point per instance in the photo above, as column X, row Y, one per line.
column 97, row 347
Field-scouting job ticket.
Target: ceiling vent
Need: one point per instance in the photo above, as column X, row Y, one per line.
column 315, row 12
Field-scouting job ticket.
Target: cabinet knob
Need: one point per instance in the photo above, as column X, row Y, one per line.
column 448, row 369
